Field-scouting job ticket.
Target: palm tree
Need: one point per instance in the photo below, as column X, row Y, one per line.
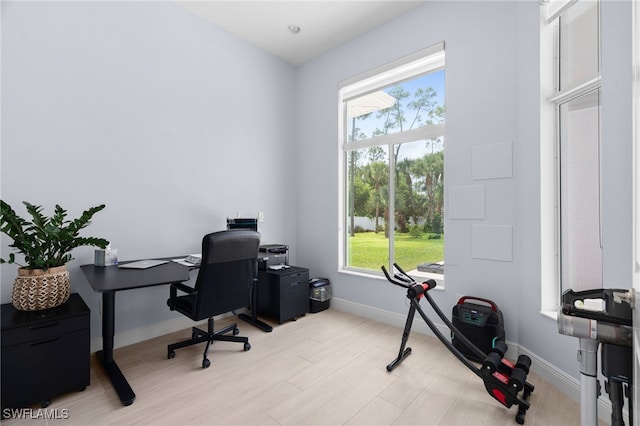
column 405, row 169
column 376, row 175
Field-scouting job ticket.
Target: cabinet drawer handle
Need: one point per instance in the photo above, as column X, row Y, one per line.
column 50, row 324
column 43, row 341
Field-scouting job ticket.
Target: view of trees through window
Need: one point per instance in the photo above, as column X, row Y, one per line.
column 396, row 216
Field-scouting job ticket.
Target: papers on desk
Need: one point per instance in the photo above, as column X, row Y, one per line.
column 278, row 267
column 191, row 260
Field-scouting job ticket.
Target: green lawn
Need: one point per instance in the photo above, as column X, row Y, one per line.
column 369, row 250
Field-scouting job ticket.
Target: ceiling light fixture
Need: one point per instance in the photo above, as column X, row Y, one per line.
column 293, row 29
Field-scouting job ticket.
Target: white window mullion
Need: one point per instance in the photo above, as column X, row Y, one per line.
column 576, row 92
column 426, row 132
column 391, row 223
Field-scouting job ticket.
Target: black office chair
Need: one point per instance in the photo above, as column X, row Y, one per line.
column 228, row 271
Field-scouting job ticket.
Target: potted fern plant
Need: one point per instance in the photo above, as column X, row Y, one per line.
column 46, row 244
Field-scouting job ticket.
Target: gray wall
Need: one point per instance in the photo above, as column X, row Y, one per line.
column 172, row 123
column 103, row 99
column 492, row 83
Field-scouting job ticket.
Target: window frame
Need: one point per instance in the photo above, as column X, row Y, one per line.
column 552, row 98
column 428, row 60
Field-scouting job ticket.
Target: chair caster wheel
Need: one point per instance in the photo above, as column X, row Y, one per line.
column 171, row 354
column 236, row 331
column 206, row 363
column 45, row 403
column 247, row 346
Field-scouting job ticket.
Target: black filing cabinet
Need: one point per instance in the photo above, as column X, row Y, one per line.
column 45, row 353
column 283, row 294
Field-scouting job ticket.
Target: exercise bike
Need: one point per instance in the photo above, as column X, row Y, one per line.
column 505, row 381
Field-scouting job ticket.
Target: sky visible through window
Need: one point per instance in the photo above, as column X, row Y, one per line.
column 367, row 125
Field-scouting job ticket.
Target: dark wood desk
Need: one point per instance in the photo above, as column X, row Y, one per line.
column 110, row 279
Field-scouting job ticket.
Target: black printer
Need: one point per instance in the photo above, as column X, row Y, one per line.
column 272, row 255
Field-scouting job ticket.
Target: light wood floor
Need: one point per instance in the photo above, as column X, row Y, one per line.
column 326, row 368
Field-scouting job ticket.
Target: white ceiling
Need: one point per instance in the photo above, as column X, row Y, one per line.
column 324, row 24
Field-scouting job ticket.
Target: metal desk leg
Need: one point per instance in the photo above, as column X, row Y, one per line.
column 105, row 356
column 253, row 319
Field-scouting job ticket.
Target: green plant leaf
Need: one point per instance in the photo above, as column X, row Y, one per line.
column 46, row 241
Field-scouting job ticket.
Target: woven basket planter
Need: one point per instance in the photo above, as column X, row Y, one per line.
column 36, row 289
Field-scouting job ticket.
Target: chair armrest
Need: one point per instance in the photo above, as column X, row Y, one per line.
column 173, row 293
column 182, row 287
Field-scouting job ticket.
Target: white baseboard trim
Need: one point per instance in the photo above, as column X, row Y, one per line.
column 557, row 377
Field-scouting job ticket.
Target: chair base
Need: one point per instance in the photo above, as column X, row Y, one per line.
column 209, row 336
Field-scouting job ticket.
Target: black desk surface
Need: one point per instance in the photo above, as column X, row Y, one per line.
column 112, row 278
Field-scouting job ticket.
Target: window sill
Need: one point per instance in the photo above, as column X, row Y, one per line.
column 550, row 314
column 414, row 273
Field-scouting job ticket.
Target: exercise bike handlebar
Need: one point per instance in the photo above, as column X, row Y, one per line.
column 403, row 279
column 398, row 279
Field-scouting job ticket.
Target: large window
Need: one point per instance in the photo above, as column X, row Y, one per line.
column 576, row 102
column 392, row 140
